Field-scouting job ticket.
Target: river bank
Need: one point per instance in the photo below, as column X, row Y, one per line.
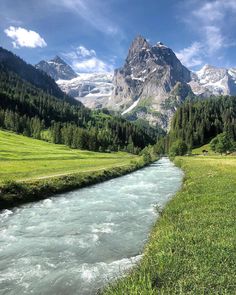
column 32, row 169
column 191, row 249
column 14, row 193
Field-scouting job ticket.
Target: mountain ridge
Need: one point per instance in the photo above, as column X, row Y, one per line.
column 151, row 73
column 57, row 68
column 29, row 73
column 212, row 80
column 150, row 85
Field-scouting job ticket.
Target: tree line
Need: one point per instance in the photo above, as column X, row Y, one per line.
column 197, row 122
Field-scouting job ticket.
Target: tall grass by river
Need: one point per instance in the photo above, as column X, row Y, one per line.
column 192, row 247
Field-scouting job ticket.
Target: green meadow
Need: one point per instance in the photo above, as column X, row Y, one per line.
column 24, row 158
column 192, row 246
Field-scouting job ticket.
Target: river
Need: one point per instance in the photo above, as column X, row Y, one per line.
column 76, row 242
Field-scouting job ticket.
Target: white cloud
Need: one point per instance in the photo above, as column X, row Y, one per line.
column 191, row 56
column 85, row 60
column 210, row 11
column 24, row 38
column 208, row 18
column 92, row 65
column 214, row 11
column 214, row 38
column 84, row 52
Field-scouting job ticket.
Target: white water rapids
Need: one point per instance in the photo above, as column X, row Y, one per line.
column 76, row 242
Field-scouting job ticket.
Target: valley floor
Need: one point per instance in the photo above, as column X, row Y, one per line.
column 192, row 247
column 24, row 158
column 33, row 169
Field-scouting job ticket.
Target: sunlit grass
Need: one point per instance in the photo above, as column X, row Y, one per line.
column 192, row 247
column 24, row 158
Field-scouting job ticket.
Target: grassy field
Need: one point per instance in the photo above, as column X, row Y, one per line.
column 192, row 247
column 198, row 151
column 23, row 158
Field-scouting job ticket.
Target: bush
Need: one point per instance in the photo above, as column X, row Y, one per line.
column 222, row 143
column 178, row 148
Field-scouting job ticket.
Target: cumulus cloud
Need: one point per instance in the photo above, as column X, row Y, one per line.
column 85, row 60
column 24, row 38
column 191, row 56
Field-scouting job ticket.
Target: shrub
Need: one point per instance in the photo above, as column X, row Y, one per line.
column 222, row 143
column 178, row 148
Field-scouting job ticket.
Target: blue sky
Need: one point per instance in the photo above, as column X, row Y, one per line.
column 94, row 35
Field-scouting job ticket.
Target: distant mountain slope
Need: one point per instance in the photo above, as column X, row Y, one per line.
column 29, row 73
column 57, row 68
column 211, row 80
column 93, row 90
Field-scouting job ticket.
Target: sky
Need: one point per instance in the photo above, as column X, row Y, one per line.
column 95, row 35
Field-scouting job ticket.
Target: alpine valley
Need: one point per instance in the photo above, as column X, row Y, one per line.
column 150, row 86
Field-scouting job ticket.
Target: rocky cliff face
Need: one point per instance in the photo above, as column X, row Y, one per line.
column 150, row 76
column 57, row 69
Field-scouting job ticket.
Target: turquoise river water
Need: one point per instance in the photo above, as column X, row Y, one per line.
column 76, row 242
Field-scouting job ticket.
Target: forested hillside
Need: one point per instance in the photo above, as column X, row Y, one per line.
column 29, row 73
column 27, row 109
column 197, row 122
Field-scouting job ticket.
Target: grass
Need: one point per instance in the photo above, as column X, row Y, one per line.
column 192, row 247
column 24, row 158
column 198, row 151
column 32, row 169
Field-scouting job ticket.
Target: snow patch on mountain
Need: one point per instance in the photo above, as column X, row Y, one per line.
column 92, row 89
column 131, row 107
column 211, row 80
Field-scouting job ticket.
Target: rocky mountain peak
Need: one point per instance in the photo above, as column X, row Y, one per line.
column 160, row 44
column 148, row 78
column 57, row 68
column 58, row 59
column 139, row 43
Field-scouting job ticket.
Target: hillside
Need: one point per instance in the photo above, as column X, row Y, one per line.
column 24, row 158
column 12, row 63
column 197, row 122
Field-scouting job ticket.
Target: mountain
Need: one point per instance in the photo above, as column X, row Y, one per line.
column 27, row 72
column 93, row 90
column 26, row 108
column 151, row 84
column 57, row 69
column 211, row 80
